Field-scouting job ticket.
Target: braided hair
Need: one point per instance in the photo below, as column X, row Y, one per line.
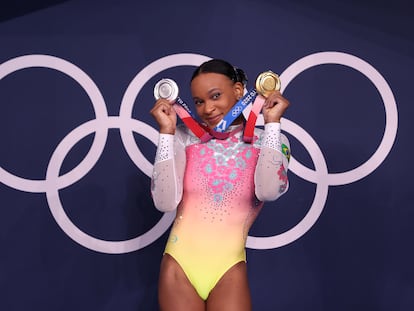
column 222, row 67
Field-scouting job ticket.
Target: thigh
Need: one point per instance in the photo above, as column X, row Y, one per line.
column 232, row 292
column 175, row 292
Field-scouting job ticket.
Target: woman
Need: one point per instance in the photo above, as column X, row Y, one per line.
column 218, row 188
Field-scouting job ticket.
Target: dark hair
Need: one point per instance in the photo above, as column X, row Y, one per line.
column 222, row 67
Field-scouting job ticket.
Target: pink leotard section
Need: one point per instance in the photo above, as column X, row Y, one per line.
column 218, row 189
column 218, row 207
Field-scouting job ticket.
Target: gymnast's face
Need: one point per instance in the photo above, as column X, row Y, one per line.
column 214, row 95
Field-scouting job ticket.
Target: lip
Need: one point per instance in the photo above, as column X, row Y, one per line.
column 213, row 120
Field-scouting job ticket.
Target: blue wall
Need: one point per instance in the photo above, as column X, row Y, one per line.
column 78, row 228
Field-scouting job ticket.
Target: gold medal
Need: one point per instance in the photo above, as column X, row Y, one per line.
column 267, row 82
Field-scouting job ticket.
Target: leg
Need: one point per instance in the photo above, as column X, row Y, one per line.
column 175, row 291
column 232, row 292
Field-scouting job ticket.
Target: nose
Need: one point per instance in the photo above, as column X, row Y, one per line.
column 209, row 107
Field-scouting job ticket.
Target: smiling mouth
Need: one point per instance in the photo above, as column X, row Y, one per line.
column 213, row 121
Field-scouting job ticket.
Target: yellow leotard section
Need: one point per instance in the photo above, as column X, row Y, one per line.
column 216, row 212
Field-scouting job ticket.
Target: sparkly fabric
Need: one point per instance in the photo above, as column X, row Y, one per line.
column 166, row 148
column 220, row 174
column 219, row 188
column 216, row 212
column 272, row 136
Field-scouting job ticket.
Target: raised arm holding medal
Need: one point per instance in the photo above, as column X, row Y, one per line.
column 216, row 175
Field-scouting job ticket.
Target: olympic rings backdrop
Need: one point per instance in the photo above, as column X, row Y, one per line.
column 78, row 227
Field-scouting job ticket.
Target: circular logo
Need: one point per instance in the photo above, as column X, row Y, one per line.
column 128, row 126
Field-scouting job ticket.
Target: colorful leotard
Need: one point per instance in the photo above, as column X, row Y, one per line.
column 218, row 189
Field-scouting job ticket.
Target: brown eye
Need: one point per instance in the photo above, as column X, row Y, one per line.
column 216, row 95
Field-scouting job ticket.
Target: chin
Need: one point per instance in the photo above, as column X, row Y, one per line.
column 210, row 125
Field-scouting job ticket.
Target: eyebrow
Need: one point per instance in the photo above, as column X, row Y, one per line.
column 209, row 92
column 214, row 89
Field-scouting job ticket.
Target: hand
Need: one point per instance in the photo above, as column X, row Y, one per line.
column 274, row 107
column 165, row 115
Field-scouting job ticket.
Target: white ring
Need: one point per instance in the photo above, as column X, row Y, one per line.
column 98, row 103
column 391, row 113
column 315, row 176
column 127, row 126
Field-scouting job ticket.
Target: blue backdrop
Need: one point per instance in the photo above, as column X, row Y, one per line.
column 78, row 228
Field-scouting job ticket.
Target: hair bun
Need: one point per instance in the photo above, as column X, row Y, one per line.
column 240, row 76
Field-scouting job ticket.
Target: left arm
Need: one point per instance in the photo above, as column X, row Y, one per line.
column 271, row 180
column 271, row 171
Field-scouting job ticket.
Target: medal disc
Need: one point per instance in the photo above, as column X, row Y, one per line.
column 267, row 82
column 167, row 89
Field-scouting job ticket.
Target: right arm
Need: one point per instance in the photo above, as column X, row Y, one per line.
column 168, row 171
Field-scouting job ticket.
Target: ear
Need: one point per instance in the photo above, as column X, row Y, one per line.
column 238, row 89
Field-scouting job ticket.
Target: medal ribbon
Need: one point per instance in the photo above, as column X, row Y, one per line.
column 236, row 110
column 251, row 121
column 184, row 112
column 204, row 133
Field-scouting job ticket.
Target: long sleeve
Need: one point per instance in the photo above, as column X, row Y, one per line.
column 271, row 170
column 168, row 172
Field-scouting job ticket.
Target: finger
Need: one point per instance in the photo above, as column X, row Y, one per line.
column 163, row 106
column 270, row 102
